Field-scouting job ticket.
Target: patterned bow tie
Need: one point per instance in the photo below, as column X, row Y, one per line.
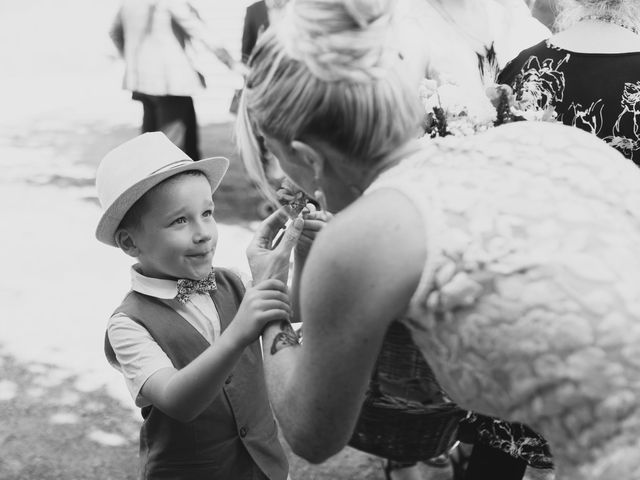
column 187, row 287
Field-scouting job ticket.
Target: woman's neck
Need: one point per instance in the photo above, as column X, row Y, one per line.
column 344, row 182
column 597, row 36
column 389, row 161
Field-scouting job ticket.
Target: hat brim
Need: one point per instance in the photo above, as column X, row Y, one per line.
column 213, row 168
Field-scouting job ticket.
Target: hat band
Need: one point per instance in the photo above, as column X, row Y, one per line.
column 171, row 166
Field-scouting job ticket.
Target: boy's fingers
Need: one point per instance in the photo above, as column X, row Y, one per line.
column 271, row 284
column 276, row 305
column 275, row 296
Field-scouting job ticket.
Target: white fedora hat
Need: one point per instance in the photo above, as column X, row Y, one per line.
column 130, row 170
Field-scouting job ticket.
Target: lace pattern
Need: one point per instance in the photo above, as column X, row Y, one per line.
column 527, row 309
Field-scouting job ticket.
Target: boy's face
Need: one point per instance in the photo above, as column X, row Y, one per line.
column 177, row 235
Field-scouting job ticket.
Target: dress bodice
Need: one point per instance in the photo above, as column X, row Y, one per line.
column 528, row 305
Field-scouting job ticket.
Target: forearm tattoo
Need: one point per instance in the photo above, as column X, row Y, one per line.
column 285, row 339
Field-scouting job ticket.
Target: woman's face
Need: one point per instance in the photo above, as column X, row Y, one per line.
column 298, row 170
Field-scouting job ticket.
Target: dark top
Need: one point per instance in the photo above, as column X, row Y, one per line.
column 236, row 436
column 597, row 92
column 256, row 20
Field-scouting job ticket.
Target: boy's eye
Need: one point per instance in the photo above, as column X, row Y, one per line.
column 208, row 213
column 180, row 220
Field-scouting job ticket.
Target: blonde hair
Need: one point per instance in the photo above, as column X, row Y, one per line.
column 329, row 70
column 572, row 11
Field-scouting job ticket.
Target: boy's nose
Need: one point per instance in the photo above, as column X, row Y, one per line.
column 202, row 233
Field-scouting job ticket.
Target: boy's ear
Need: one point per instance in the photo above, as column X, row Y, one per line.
column 126, row 242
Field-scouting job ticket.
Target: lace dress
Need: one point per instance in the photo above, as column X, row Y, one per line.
column 528, row 306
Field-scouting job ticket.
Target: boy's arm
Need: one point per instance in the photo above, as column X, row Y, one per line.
column 184, row 394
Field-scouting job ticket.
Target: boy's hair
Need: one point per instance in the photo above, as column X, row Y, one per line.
column 329, row 70
column 133, row 218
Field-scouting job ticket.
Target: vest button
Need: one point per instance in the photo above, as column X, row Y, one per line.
column 228, row 380
column 243, row 432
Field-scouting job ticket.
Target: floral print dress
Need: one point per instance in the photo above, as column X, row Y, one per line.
column 527, row 309
column 597, row 92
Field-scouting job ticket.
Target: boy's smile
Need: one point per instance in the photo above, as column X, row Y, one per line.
column 177, row 235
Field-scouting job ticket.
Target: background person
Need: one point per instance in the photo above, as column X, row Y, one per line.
column 452, row 41
column 588, row 72
column 154, row 38
column 256, row 20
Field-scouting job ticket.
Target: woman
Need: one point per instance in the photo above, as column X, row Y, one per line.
column 589, row 72
column 494, row 264
column 465, row 42
column 459, row 46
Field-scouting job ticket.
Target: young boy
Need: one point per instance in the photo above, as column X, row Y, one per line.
column 185, row 337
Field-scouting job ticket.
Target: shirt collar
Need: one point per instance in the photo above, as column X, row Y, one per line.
column 154, row 287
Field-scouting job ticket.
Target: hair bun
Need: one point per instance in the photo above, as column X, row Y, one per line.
column 340, row 39
column 364, row 12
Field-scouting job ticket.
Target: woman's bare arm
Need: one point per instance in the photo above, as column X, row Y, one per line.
column 359, row 276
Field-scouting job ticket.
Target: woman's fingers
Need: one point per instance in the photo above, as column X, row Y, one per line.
column 268, row 229
column 290, row 238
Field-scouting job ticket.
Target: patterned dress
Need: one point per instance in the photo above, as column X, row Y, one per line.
column 528, row 306
column 597, row 92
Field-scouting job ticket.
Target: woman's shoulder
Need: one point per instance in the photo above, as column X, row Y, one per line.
column 379, row 234
column 370, row 216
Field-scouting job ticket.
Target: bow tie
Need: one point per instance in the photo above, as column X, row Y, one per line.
column 187, row 287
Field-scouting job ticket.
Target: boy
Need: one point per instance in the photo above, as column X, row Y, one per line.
column 185, row 336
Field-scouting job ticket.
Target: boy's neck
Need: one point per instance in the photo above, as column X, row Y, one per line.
column 140, row 268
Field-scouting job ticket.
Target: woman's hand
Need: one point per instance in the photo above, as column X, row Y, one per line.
column 266, row 260
column 314, row 221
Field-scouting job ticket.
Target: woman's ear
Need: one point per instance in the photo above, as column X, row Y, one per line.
column 310, row 155
column 126, row 242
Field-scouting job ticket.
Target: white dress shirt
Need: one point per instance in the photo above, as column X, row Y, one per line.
column 137, row 352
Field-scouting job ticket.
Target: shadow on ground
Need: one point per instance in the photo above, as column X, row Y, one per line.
column 69, row 434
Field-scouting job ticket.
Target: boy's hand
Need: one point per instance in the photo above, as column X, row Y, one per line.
column 265, row 302
column 267, row 261
column 314, row 221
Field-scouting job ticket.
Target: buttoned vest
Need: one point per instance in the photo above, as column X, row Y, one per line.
column 236, row 437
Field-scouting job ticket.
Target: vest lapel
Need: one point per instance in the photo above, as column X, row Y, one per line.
column 226, row 307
